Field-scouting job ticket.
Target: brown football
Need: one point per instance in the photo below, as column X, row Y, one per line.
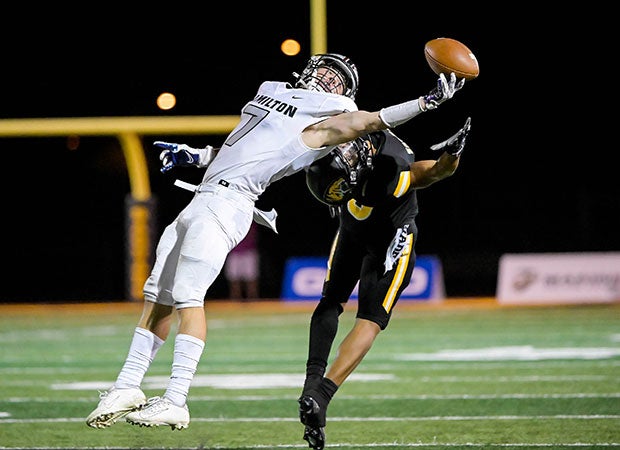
column 445, row 55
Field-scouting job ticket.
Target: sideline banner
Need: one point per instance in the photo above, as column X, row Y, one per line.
column 559, row 278
column 304, row 276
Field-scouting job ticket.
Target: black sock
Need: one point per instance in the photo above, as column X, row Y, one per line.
column 328, row 389
column 322, row 395
column 311, row 383
column 324, row 392
column 323, row 329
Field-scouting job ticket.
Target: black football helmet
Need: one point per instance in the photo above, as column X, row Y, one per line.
column 332, row 178
column 339, row 65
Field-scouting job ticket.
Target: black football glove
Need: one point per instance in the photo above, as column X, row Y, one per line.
column 455, row 144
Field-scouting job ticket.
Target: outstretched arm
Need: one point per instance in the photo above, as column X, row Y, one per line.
column 403, row 112
column 351, row 125
column 426, row 172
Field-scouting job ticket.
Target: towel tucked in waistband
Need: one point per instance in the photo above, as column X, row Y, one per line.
column 265, row 218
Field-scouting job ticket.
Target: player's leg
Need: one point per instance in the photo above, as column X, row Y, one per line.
column 202, row 255
column 315, row 394
column 342, row 276
column 149, row 335
column 171, row 409
column 126, row 395
column 343, row 269
column 378, row 294
column 352, row 350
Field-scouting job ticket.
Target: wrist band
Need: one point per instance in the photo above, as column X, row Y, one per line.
column 396, row 115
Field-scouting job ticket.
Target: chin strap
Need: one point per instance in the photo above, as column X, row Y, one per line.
column 334, row 211
column 299, row 81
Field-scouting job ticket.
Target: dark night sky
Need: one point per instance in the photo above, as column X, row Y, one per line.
column 538, row 174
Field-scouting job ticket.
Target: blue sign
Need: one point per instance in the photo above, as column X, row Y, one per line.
column 304, row 276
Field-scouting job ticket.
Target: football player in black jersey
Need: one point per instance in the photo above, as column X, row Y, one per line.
column 371, row 184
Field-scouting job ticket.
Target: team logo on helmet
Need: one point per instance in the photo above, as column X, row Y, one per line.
column 337, row 191
column 331, row 179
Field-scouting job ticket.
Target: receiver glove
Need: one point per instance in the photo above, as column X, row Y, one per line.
column 455, row 144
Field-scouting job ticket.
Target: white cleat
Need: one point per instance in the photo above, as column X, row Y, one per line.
column 160, row 411
column 115, row 404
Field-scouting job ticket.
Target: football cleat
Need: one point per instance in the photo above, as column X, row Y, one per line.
column 315, row 437
column 160, row 411
column 114, row 404
column 313, row 417
column 310, row 413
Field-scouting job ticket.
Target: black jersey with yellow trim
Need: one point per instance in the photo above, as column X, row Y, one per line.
column 383, row 200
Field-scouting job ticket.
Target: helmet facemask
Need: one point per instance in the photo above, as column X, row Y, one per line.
column 331, row 73
column 332, row 178
column 356, row 158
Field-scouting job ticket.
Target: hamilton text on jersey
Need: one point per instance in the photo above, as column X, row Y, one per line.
column 276, row 105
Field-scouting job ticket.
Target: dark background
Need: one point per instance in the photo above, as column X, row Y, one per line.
column 538, row 173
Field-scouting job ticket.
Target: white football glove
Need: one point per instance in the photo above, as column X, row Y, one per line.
column 443, row 91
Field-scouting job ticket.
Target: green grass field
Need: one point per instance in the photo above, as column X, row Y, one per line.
column 469, row 376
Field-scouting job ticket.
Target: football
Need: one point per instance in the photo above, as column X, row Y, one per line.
column 445, row 55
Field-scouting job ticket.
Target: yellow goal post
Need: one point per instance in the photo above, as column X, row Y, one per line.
column 128, row 130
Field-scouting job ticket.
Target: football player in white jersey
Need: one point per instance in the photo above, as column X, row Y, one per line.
column 283, row 129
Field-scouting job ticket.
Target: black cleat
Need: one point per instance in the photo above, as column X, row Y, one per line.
column 310, row 412
column 315, row 437
column 313, row 417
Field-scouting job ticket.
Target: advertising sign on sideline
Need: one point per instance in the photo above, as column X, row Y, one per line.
column 559, row 278
column 304, row 276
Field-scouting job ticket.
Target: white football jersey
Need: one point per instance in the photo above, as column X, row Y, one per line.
column 266, row 145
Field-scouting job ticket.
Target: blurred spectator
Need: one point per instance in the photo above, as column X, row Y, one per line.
column 242, row 268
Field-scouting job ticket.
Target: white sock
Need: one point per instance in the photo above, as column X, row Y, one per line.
column 142, row 350
column 187, row 352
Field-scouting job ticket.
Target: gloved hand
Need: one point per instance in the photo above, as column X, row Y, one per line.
column 455, row 144
column 182, row 155
column 443, row 91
